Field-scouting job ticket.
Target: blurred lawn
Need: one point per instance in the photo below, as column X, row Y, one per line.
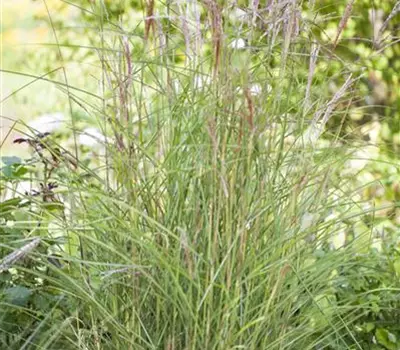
column 23, row 32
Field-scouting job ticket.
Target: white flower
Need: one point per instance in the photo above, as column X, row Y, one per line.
column 47, row 122
column 255, row 89
column 91, row 137
column 308, row 220
column 10, row 223
column 238, row 44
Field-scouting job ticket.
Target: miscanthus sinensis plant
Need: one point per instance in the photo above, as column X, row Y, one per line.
column 212, row 211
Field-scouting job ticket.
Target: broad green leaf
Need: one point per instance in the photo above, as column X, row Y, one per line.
column 11, row 160
column 18, row 295
column 384, row 338
column 13, row 171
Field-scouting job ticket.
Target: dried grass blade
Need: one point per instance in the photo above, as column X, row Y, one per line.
column 18, row 254
column 343, row 22
column 394, row 12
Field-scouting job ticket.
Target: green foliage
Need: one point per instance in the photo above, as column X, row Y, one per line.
column 368, row 43
column 211, row 212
